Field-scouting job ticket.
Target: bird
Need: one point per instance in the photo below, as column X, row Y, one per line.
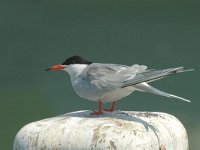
column 103, row 82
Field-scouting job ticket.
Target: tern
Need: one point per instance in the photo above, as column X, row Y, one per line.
column 103, row 83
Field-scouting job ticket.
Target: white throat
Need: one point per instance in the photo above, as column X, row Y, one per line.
column 75, row 69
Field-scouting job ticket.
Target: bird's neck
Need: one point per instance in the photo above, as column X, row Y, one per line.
column 75, row 69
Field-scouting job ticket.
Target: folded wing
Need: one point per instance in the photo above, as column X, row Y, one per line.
column 152, row 75
column 111, row 76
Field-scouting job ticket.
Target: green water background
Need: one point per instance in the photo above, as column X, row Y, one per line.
column 35, row 34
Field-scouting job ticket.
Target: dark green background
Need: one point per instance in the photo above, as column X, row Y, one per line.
column 35, row 34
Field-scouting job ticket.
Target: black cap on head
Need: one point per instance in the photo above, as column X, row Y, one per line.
column 76, row 60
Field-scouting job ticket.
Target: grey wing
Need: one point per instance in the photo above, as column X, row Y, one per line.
column 152, row 75
column 110, row 76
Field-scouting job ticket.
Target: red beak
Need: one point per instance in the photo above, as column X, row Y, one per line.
column 56, row 67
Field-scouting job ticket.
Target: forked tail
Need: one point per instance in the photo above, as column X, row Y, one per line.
column 147, row 88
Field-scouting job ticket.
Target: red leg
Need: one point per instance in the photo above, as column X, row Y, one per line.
column 112, row 108
column 99, row 112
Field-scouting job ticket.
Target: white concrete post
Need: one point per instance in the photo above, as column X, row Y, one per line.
column 120, row 130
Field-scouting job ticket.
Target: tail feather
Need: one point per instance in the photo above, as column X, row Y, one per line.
column 147, row 88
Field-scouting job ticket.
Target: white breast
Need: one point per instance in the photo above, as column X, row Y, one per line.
column 85, row 90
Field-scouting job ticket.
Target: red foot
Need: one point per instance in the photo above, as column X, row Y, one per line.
column 99, row 112
column 111, row 109
column 96, row 113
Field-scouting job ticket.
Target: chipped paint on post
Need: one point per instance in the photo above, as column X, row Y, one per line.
column 110, row 131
